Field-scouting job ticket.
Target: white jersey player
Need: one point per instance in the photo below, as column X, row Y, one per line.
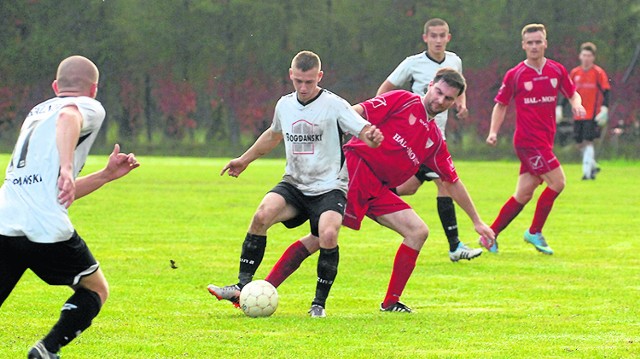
column 39, row 187
column 419, row 70
column 311, row 122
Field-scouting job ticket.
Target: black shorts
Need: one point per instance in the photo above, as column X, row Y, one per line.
column 61, row 263
column 585, row 130
column 426, row 174
column 310, row 207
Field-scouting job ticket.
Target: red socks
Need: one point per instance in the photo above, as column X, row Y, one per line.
column 288, row 263
column 543, row 208
column 403, row 266
column 509, row 211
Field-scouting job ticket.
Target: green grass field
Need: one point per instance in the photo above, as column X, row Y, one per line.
column 581, row 302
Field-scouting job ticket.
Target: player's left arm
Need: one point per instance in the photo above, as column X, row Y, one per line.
column 68, row 128
column 459, row 193
column 118, row 165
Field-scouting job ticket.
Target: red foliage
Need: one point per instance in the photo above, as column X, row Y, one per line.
column 177, row 101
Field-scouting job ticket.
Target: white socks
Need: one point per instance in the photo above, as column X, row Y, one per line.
column 588, row 160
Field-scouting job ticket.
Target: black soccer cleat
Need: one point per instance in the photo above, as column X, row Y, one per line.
column 396, row 307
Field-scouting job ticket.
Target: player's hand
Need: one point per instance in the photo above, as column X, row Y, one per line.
column 463, row 112
column 235, row 167
column 578, row 111
column 120, row 164
column 66, row 187
column 492, row 139
column 484, row 230
column 603, row 116
column 374, row 136
column 558, row 114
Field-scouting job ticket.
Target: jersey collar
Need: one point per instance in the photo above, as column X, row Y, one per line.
column 310, row 101
column 426, row 53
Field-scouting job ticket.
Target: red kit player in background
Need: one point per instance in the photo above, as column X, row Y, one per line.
column 534, row 85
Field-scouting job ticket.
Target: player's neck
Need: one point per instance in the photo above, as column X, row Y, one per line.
column 436, row 57
column 587, row 68
column 537, row 64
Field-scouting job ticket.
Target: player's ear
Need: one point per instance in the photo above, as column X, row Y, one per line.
column 54, row 86
column 93, row 91
column 320, row 74
column 425, row 38
column 291, row 74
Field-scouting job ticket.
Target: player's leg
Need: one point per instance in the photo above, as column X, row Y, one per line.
column 70, row 263
column 274, row 208
column 408, row 188
column 328, row 225
column 447, row 213
column 291, row 259
column 579, row 131
column 414, row 232
column 12, row 265
column 555, row 181
column 589, row 164
column 527, row 183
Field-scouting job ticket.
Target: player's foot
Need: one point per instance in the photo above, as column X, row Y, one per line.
column 228, row 292
column 396, row 307
column 586, row 178
column 490, row 244
column 464, row 252
column 538, row 241
column 38, row 351
column 594, row 172
column 317, row 311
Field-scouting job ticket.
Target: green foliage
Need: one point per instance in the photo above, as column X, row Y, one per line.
column 579, row 303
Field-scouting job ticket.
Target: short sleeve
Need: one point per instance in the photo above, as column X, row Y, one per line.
column 505, row 93
column 603, row 80
column 348, row 119
column 568, row 87
column 401, row 75
column 276, row 126
column 443, row 165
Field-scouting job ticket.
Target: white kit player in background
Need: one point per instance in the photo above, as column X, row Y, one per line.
column 40, row 185
column 419, row 70
column 311, row 121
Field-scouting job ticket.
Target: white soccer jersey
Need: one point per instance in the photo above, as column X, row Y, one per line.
column 419, row 70
column 313, row 140
column 29, row 196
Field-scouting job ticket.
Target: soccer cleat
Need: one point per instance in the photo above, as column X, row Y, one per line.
column 538, row 241
column 490, row 244
column 594, row 172
column 228, row 292
column 464, row 252
column 38, row 351
column 396, row 307
column 317, row 311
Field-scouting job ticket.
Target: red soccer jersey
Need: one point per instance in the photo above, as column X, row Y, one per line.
column 591, row 85
column 536, row 96
column 410, row 139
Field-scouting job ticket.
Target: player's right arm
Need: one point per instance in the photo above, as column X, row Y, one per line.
column 386, row 86
column 263, row 145
column 497, row 117
column 68, row 128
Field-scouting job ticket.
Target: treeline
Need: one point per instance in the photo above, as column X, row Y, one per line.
column 182, row 74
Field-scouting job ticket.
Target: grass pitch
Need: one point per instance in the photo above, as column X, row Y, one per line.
column 581, row 302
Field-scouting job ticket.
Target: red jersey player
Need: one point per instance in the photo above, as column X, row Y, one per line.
column 534, row 85
column 412, row 138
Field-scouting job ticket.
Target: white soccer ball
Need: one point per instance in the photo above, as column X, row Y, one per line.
column 259, row 299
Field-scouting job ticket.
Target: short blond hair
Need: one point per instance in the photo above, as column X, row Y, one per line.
column 589, row 46
column 435, row 22
column 77, row 73
column 306, row 60
column 534, row 28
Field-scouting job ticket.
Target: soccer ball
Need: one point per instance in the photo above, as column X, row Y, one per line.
column 259, row 299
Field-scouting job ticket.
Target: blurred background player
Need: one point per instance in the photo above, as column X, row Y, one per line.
column 40, row 185
column 419, row 70
column 592, row 83
column 534, row 85
column 311, row 121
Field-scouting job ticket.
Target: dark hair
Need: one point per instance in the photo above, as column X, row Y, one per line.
column 452, row 78
column 306, row 60
column 589, row 46
column 434, row 22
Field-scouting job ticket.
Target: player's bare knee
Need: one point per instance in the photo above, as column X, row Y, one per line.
column 261, row 220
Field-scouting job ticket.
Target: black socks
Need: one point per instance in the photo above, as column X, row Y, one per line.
column 327, row 272
column 447, row 212
column 252, row 253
